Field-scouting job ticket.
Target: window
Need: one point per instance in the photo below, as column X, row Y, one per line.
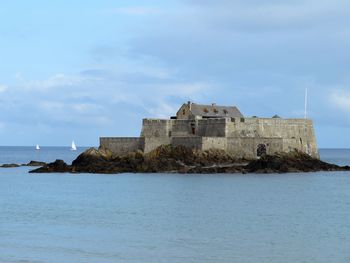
column 205, row 110
column 215, row 110
column 225, row 111
column 193, row 130
column 242, row 119
column 183, row 112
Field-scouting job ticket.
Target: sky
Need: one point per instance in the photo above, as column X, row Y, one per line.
column 78, row 70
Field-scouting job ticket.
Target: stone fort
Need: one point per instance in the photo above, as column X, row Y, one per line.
column 204, row 127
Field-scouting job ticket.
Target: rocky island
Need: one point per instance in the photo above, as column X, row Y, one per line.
column 180, row 159
column 206, row 139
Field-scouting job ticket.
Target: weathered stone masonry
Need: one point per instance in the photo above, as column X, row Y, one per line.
column 219, row 128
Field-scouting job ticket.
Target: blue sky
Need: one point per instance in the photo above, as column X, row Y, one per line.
column 83, row 69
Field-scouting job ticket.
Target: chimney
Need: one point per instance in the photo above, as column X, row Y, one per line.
column 189, row 103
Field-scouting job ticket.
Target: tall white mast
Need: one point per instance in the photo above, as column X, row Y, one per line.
column 305, row 113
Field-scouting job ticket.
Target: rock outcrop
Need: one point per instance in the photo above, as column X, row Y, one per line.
column 295, row 161
column 184, row 160
column 35, row 163
column 58, row 166
column 14, row 165
column 9, row 165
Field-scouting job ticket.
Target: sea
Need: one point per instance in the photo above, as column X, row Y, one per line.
column 274, row 218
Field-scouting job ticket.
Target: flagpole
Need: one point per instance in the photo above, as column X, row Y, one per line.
column 305, row 116
column 305, row 113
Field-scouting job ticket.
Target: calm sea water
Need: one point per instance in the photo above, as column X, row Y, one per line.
column 172, row 218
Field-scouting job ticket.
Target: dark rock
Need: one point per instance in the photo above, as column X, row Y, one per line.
column 95, row 161
column 57, row 166
column 295, row 161
column 35, row 163
column 10, row 165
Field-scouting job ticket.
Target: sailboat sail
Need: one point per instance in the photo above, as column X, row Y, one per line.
column 37, row 147
column 74, row 147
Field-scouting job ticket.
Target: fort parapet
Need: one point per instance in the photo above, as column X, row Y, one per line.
column 206, row 127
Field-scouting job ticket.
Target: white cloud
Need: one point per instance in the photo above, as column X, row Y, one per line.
column 159, row 104
column 188, row 89
column 95, row 95
column 341, row 100
column 179, row 89
column 271, row 13
column 85, row 108
column 55, row 81
column 3, row 88
column 51, row 105
column 162, row 110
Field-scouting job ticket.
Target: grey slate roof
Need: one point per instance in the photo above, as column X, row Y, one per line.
column 211, row 111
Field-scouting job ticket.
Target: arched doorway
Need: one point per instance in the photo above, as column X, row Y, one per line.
column 261, row 150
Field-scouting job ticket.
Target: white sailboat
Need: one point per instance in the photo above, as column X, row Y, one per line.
column 37, row 147
column 74, row 147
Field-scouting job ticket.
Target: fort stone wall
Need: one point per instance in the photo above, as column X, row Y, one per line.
column 201, row 143
column 214, row 143
column 152, row 143
column 241, row 137
column 248, row 147
column 296, row 133
column 156, row 128
column 194, row 142
column 212, row 127
column 181, row 128
column 122, row 145
column 241, row 148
